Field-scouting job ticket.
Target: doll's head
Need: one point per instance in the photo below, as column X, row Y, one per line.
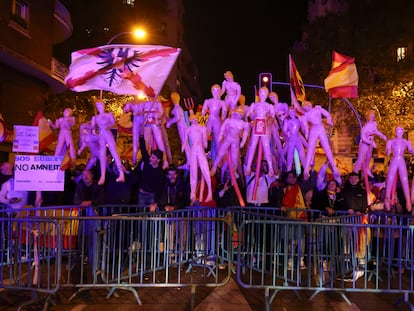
column 274, row 97
column 229, row 75
column 175, row 98
column 67, row 112
column 370, row 114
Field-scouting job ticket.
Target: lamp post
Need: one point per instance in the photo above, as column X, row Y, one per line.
column 138, row 33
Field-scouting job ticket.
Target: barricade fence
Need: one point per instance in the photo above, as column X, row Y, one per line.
column 28, row 255
column 353, row 253
column 124, row 247
column 125, row 251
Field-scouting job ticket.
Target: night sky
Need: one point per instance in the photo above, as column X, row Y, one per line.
column 245, row 38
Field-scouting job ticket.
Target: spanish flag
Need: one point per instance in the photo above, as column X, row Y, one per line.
column 46, row 137
column 125, row 123
column 65, row 161
column 256, row 94
column 342, row 80
column 296, row 80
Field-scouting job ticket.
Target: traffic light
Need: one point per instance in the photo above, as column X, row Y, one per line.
column 265, row 79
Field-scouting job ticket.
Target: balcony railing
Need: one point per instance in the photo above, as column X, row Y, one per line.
column 59, row 70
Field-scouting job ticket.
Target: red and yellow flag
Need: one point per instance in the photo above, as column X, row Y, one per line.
column 46, row 137
column 65, row 161
column 296, row 80
column 342, row 80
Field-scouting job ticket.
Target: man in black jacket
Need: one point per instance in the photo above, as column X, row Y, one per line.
column 174, row 197
column 151, row 176
column 355, row 197
column 174, row 193
column 225, row 194
column 88, row 193
column 355, row 201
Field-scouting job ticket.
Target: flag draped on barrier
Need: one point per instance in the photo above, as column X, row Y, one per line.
column 363, row 238
column 121, row 69
column 342, row 80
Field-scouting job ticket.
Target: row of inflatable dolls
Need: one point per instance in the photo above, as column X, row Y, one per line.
column 283, row 135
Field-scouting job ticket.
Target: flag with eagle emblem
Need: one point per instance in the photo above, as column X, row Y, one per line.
column 122, row 69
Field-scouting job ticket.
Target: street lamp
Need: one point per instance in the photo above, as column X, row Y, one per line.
column 138, row 33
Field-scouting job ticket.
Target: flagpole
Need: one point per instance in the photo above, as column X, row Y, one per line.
column 307, row 85
column 346, row 101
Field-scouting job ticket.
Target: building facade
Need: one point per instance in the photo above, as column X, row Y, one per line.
column 29, row 72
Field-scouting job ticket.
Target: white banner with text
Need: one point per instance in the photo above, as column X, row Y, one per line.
column 38, row 173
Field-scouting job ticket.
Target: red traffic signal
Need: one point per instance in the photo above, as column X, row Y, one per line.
column 265, row 79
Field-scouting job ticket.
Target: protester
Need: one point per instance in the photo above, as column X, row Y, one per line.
column 119, row 193
column 12, row 198
column 257, row 191
column 88, row 192
column 355, row 196
column 329, row 200
column 151, row 175
column 6, row 172
column 293, row 206
column 174, row 193
column 225, row 194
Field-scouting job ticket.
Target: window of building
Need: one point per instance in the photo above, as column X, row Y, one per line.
column 20, row 17
column 401, row 53
column 21, row 13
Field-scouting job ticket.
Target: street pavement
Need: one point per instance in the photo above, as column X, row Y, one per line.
column 230, row 297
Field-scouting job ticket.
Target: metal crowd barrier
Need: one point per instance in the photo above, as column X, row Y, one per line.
column 353, row 253
column 128, row 250
column 123, row 247
column 30, row 251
